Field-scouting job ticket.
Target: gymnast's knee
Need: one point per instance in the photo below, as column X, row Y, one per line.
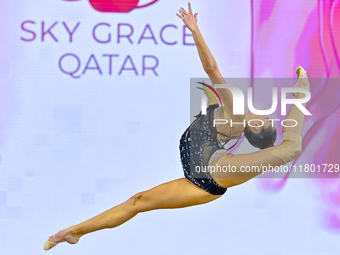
column 298, row 152
column 292, row 150
column 135, row 202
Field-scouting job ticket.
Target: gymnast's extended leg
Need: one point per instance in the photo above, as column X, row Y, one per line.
column 174, row 194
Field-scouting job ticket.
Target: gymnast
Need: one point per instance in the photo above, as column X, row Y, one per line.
column 202, row 145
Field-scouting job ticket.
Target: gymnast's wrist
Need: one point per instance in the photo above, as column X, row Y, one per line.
column 194, row 29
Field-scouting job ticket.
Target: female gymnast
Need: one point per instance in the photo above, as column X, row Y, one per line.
column 201, row 145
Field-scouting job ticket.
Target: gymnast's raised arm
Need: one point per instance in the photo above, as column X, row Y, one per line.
column 208, row 61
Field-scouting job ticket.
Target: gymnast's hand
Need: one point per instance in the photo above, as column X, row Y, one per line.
column 189, row 19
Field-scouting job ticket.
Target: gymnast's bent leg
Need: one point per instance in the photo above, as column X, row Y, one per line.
column 287, row 151
column 174, row 194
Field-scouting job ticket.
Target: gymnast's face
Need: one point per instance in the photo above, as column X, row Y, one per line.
column 257, row 125
column 261, row 133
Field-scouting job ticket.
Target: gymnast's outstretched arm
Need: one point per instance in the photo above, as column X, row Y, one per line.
column 208, row 60
column 275, row 156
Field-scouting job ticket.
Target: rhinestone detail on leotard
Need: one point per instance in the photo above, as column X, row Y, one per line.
column 216, row 156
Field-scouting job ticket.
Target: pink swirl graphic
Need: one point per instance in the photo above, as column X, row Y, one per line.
column 306, row 35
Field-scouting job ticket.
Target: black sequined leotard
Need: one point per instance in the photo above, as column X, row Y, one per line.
column 197, row 145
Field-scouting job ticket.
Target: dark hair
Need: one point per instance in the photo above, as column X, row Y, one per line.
column 264, row 139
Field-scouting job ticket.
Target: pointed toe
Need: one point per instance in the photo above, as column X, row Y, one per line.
column 48, row 245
